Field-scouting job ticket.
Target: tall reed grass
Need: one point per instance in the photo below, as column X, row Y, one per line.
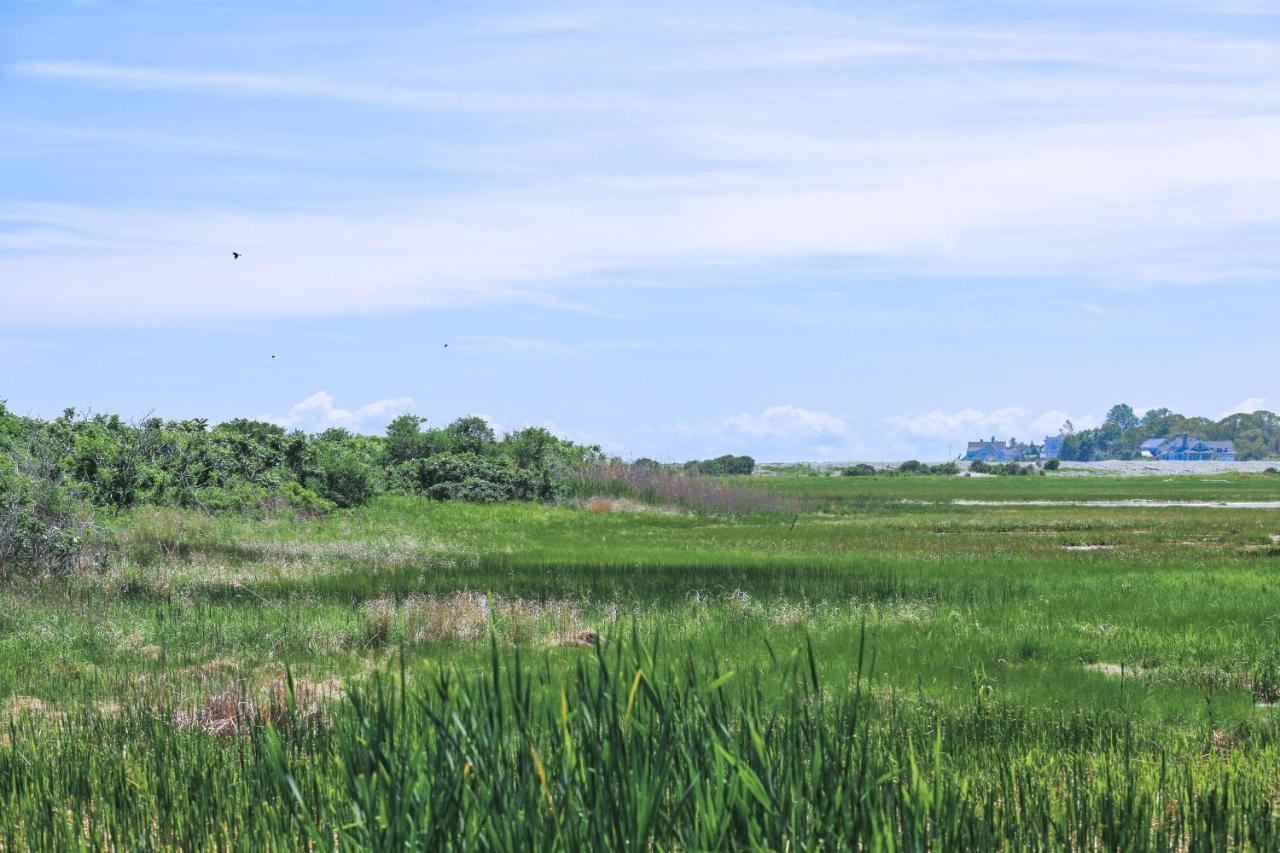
column 631, row 750
column 662, row 486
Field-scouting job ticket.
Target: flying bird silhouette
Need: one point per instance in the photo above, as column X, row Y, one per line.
column 235, row 256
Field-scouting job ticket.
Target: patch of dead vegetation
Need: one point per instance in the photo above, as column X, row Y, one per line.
column 809, row 614
column 1117, row 670
column 468, row 616
column 23, row 705
column 608, row 505
column 587, row 639
column 218, row 668
column 237, row 711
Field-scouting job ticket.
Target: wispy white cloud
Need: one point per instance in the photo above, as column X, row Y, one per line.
column 275, row 85
column 971, row 424
column 1082, row 149
column 609, row 443
column 320, row 412
column 1065, row 208
column 1247, row 406
column 784, row 423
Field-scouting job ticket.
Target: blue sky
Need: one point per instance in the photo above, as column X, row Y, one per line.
column 800, row 231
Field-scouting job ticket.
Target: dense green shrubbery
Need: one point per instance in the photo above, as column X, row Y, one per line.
column 43, row 527
column 478, row 479
column 55, row 471
column 912, row 467
column 1009, row 469
column 722, row 465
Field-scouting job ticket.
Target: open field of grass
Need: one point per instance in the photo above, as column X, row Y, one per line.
column 889, row 668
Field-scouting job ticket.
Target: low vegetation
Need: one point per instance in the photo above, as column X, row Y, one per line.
column 56, row 475
column 651, row 659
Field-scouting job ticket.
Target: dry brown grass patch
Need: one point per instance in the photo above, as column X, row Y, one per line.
column 470, row 617
column 237, row 711
column 460, row 616
column 587, row 639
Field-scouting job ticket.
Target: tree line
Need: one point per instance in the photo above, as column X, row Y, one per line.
column 1256, row 435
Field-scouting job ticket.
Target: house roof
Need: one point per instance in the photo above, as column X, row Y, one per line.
column 1183, row 441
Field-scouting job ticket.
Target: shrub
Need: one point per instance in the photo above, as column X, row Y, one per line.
column 43, row 527
column 945, row 469
column 913, row 466
column 473, row 490
column 341, row 474
column 238, row 497
column 977, row 466
column 862, row 469
column 304, row 501
column 465, row 476
column 1052, row 465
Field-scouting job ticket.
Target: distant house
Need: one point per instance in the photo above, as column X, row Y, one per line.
column 1187, row 448
column 1052, row 447
column 995, row 451
column 1151, row 447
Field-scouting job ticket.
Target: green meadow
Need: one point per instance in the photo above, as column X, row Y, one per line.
column 886, row 668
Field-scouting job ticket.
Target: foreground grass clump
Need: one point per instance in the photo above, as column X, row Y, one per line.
column 630, row 749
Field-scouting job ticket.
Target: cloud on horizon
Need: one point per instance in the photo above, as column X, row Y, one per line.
column 1247, row 406
column 320, row 412
column 970, row 424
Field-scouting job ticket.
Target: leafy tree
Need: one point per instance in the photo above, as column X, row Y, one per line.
column 470, row 435
column 343, row 468
column 1122, row 415
column 404, row 439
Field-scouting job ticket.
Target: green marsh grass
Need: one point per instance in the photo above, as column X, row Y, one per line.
column 879, row 672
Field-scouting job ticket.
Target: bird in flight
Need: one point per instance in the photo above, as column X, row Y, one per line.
column 235, row 256
column 446, row 346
